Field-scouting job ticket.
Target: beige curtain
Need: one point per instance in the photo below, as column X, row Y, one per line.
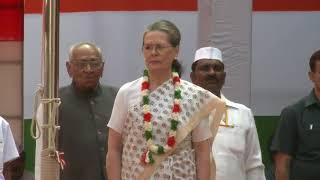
column 226, row 24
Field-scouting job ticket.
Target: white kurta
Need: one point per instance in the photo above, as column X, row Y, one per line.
column 236, row 150
column 8, row 149
column 127, row 119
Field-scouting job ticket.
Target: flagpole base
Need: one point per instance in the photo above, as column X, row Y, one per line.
column 50, row 169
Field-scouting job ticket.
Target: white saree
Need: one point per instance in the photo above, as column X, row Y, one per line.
column 127, row 119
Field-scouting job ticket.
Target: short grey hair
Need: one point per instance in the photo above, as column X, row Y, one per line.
column 77, row 45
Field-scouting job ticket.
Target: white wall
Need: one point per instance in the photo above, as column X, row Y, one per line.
column 282, row 43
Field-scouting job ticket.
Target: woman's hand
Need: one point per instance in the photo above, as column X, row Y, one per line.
column 113, row 158
column 202, row 153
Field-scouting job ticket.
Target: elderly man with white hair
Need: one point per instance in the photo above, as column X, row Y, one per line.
column 236, row 148
column 86, row 105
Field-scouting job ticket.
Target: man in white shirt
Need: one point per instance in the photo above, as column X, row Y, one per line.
column 8, row 149
column 15, row 169
column 236, row 148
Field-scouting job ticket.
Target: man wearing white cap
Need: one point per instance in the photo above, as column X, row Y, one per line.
column 236, row 148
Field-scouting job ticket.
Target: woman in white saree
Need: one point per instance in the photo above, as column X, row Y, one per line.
column 159, row 127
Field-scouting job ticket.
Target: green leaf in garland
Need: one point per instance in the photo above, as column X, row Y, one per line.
column 151, row 158
column 177, row 94
column 145, row 73
column 174, row 125
column 160, row 149
column 174, row 70
column 148, row 135
column 145, row 100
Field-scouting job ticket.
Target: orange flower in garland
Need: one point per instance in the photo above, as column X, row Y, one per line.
column 147, row 117
column 171, row 141
column 176, row 108
column 145, row 85
column 152, row 148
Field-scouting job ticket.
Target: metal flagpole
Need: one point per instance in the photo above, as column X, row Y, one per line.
column 50, row 157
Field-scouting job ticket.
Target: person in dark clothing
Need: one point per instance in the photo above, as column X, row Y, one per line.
column 85, row 108
column 296, row 141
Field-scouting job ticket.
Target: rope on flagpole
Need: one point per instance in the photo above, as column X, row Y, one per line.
column 36, row 130
column 51, row 124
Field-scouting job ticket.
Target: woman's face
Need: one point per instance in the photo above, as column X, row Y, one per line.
column 158, row 52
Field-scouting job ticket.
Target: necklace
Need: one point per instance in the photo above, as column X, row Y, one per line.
column 152, row 148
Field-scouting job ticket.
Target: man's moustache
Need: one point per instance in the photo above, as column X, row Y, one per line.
column 211, row 78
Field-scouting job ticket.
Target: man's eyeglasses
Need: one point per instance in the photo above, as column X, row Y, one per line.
column 157, row 47
column 85, row 64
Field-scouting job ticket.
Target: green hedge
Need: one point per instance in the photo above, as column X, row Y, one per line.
column 29, row 145
column 265, row 127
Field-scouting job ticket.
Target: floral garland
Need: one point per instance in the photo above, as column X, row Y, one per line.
column 152, row 148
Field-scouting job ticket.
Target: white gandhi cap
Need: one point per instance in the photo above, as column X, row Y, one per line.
column 208, row 53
